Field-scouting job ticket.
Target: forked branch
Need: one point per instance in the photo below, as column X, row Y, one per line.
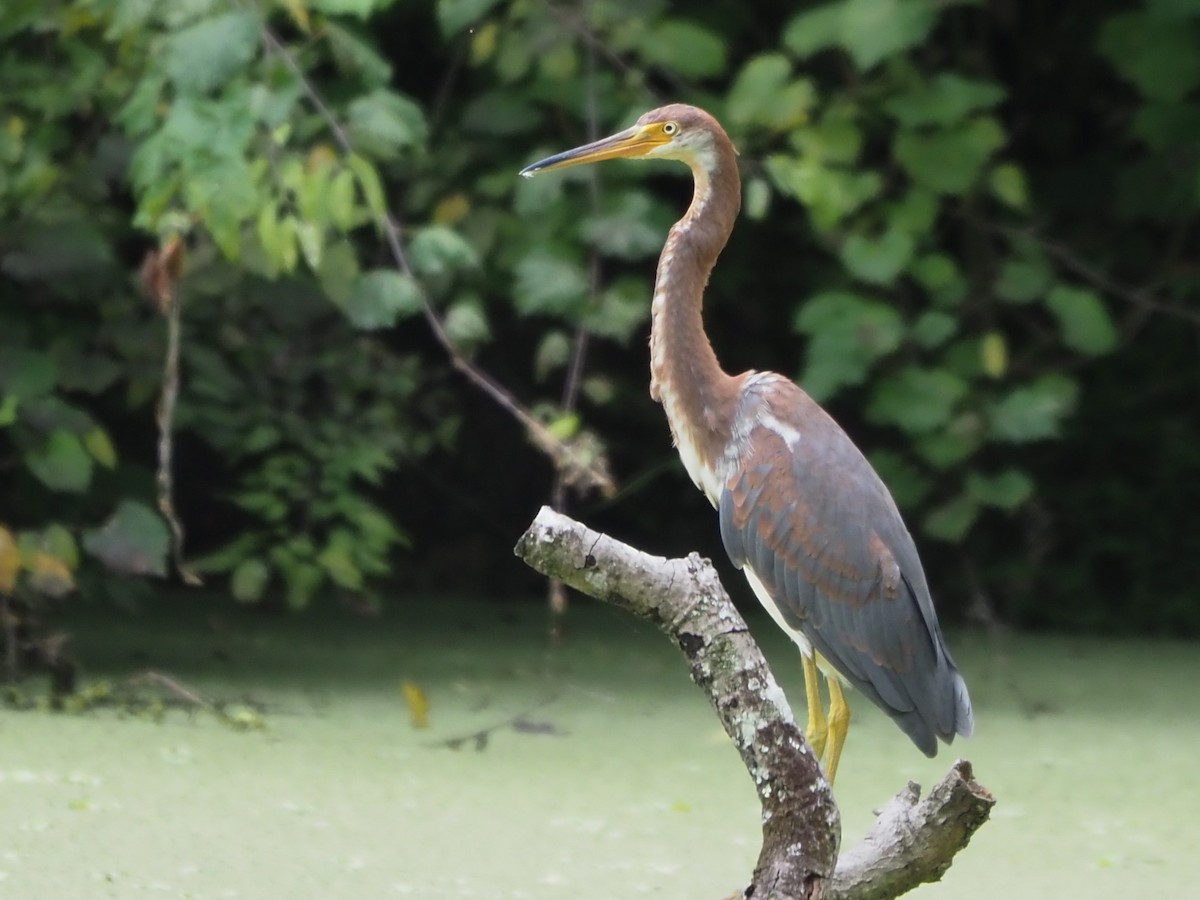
column 912, row 842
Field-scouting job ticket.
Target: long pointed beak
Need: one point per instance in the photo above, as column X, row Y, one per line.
column 632, row 142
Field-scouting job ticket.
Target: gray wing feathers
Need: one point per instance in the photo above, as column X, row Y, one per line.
column 820, row 530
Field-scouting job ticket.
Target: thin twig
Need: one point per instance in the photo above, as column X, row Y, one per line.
column 160, row 273
column 588, row 474
column 1141, row 297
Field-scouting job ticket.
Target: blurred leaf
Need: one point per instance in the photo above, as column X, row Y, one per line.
column 869, row 30
column 1034, row 412
column 814, row 29
column 417, row 702
column 829, row 194
column 10, row 561
column 26, row 374
column 437, row 250
column 383, row 123
column 337, row 559
column 369, row 184
column 1084, row 320
column 134, row 540
column 944, row 100
column 934, row 328
column 918, row 400
column 1157, row 53
column 500, row 113
column 360, row 8
column 1021, row 281
column 48, row 575
column 915, row 212
column 908, row 484
column 466, row 324
column 952, row 520
column 204, row 56
column 302, row 580
column 758, row 199
column 59, row 542
column 455, row 15
column 549, row 285
column 683, row 47
column 950, row 160
column 626, row 232
column 764, row 93
column 940, row 276
column 356, row 56
column 878, row 260
column 847, row 333
column 1007, row 182
column 1006, row 490
column 8, row 409
column 62, row 464
column 953, row 444
column 552, row 353
column 380, row 298
column 993, row 350
column 248, row 580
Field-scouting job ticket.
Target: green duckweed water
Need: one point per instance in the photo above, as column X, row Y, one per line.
column 618, row 781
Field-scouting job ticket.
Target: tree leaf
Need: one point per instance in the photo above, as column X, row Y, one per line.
column 549, row 285
column 950, row 160
column 26, row 374
column 49, row 575
column 100, row 446
column 455, row 15
column 134, row 540
column 847, row 333
column 382, row 297
column 952, row 520
column 685, row 48
column 204, row 56
column 1156, row 53
column 370, row 184
column 918, row 400
column 62, row 464
column 1006, row 490
column 1023, row 280
column 249, row 579
column 1007, row 181
column 1035, row 411
column 764, row 93
column 945, row 99
column 878, row 260
column 382, row 123
column 1084, row 320
column 437, row 250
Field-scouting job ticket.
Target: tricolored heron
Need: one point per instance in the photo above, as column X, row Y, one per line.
column 802, row 512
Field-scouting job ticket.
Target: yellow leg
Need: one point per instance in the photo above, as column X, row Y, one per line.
column 817, row 729
column 839, row 726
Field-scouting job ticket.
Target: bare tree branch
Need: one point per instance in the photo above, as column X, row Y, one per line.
column 911, row 843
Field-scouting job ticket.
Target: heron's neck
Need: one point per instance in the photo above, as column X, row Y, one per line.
column 696, row 393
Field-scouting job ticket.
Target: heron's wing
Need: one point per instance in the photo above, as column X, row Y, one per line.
column 808, row 515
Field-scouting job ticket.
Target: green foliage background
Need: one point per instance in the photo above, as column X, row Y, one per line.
column 969, row 228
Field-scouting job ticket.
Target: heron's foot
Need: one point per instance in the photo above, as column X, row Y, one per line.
column 838, row 728
column 817, row 730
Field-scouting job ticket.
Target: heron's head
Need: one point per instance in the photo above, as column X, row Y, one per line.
column 677, row 131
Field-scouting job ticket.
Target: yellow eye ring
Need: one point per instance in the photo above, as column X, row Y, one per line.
column 670, row 128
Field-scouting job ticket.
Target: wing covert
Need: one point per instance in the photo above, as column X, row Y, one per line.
column 804, row 510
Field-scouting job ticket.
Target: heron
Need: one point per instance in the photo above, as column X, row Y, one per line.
column 801, row 511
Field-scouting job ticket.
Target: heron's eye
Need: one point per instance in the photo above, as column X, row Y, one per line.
column 670, row 128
